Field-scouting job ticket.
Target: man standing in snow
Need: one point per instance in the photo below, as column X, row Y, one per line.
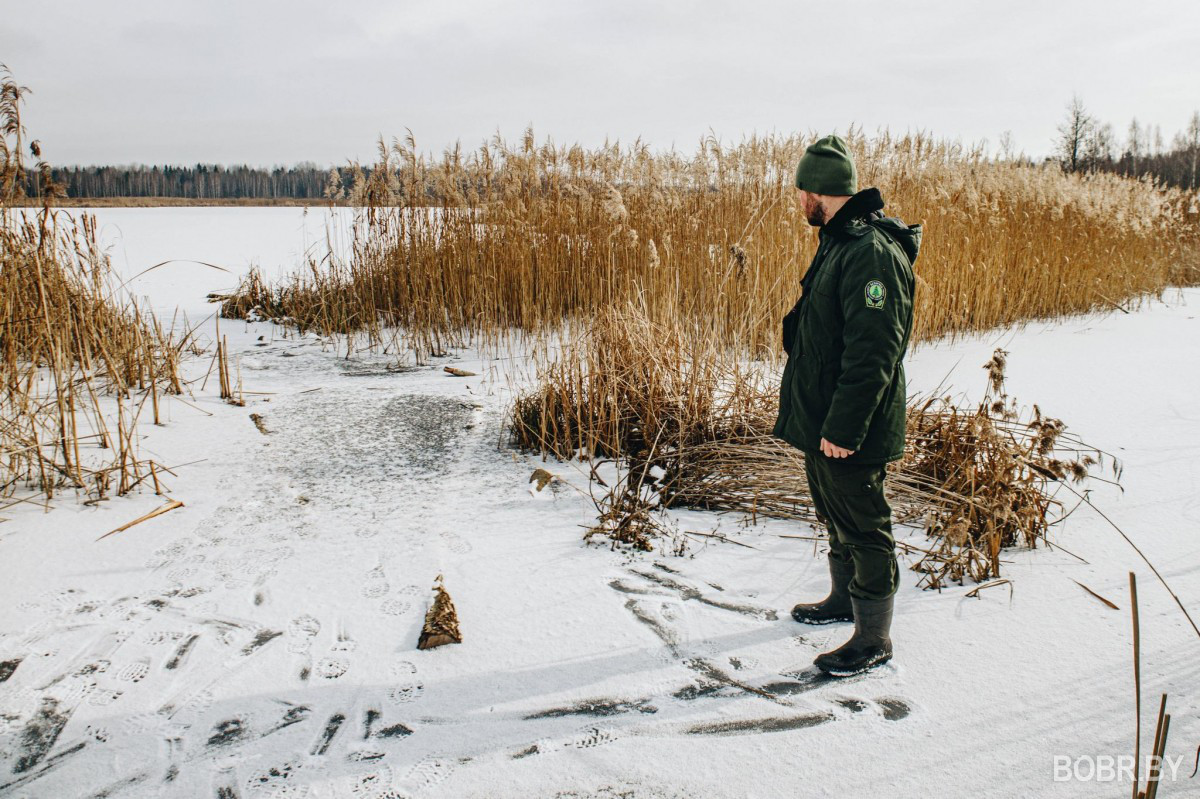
column 842, row 397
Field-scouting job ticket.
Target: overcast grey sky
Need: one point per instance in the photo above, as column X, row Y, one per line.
column 279, row 82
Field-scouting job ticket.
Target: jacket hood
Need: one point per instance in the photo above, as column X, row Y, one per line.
column 907, row 236
column 864, row 204
column 867, row 205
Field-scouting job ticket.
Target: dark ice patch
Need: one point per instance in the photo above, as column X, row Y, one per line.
column 687, row 592
column 626, row 588
column 8, row 667
column 665, row 633
column 701, row 689
column 327, row 735
column 369, row 718
column 227, row 732
column 293, row 715
column 596, row 707
column 40, row 734
column 751, row 726
column 394, row 731
column 181, row 652
column 531, row 750
column 894, row 709
column 261, row 639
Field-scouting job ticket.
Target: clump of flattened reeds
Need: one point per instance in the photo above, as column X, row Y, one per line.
column 252, row 299
column 70, row 346
column 696, row 433
column 988, row 476
column 630, row 509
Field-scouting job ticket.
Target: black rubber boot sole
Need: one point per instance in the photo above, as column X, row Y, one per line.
column 826, row 620
column 849, row 670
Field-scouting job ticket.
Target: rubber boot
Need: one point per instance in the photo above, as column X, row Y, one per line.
column 871, row 644
column 836, row 606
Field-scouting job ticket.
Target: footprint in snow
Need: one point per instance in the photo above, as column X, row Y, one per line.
column 428, row 771
column 401, row 603
column 337, row 662
column 159, row 637
column 591, row 737
column 375, row 785
column 278, row 780
column 456, row 543
column 376, row 584
column 395, row 606
column 103, row 697
column 301, row 631
column 178, row 576
column 134, row 672
column 407, row 688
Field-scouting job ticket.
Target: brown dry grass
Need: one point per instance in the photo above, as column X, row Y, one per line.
column 71, row 347
column 176, row 202
column 525, row 236
column 691, row 424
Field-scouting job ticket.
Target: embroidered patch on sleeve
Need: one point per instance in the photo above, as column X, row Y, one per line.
column 875, row 294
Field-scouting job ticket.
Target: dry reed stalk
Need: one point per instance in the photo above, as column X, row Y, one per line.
column 1106, row 602
column 1161, row 728
column 170, row 506
column 1137, row 684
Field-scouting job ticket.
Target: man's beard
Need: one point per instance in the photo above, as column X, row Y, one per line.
column 816, row 216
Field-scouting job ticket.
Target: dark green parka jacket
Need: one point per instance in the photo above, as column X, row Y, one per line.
column 847, row 335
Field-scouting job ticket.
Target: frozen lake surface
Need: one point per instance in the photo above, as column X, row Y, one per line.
column 277, row 240
column 261, row 640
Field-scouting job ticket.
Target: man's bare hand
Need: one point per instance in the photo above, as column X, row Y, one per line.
column 834, row 451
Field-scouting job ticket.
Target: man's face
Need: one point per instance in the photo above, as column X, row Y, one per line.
column 813, row 210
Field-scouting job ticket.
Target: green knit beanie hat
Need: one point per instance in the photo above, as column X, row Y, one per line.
column 827, row 168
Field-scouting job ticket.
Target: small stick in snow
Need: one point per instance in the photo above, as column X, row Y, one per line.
column 172, row 505
column 1119, row 307
column 1137, row 684
column 1160, row 747
column 458, row 372
column 974, row 592
column 1141, row 554
column 718, row 536
column 1093, row 593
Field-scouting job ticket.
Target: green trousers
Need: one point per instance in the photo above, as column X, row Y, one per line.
column 849, row 498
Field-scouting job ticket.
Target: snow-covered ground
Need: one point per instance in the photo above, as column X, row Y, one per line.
column 261, row 640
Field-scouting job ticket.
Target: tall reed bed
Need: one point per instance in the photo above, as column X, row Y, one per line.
column 80, row 366
column 669, row 274
column 524, row 236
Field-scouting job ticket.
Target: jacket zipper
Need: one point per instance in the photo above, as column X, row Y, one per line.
column 816, row 262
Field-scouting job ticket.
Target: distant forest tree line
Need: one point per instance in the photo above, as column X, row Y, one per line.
column 1085, row 144
column 305, row 181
